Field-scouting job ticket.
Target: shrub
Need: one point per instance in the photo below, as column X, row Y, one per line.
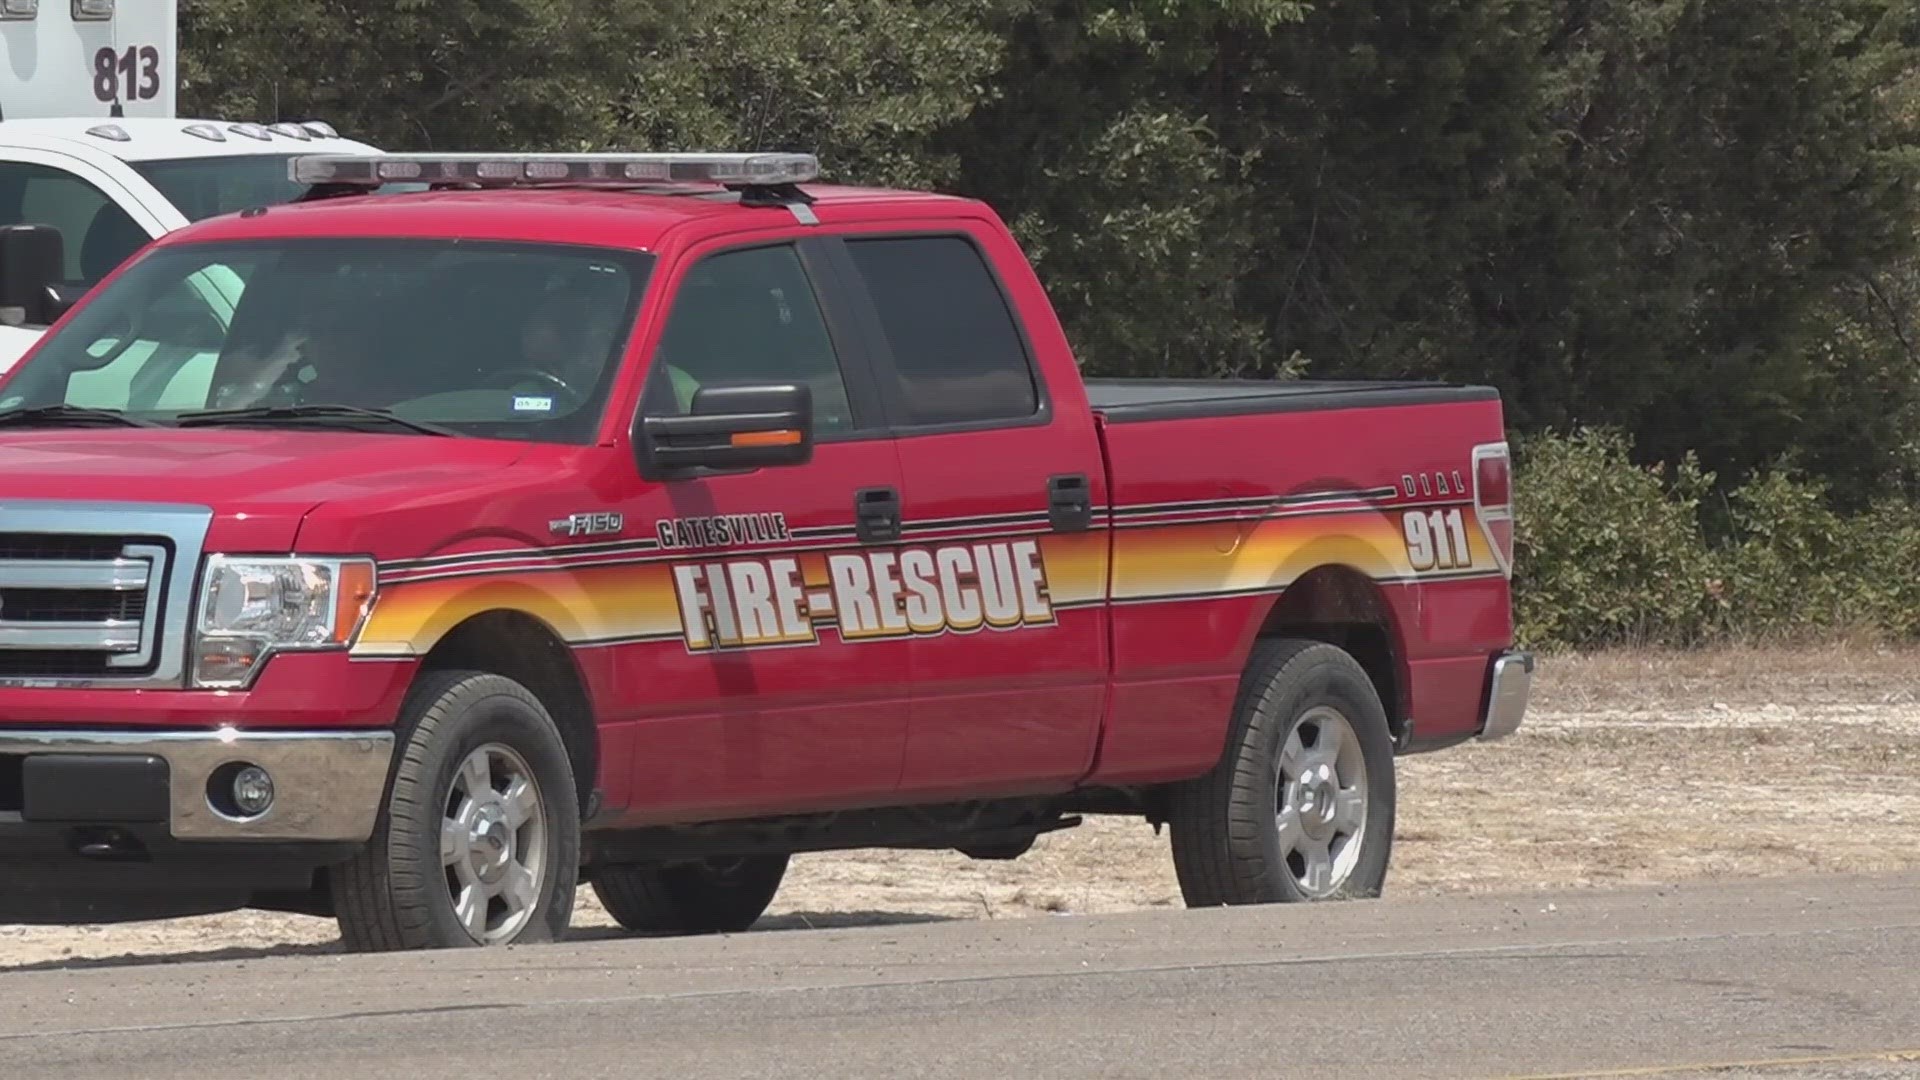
column 1887, row 538
column 1610, row 553
column 1786, row 562
column 1607, row 552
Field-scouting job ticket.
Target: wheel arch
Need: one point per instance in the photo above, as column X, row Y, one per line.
column 523, row 647
column 1341, row 606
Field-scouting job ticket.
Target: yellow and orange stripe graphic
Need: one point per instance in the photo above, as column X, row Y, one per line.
column 609, row 594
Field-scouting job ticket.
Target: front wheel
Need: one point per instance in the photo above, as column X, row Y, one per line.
column 479, row 840
column 1301, row 806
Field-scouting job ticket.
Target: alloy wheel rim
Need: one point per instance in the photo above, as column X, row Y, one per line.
column 1321, row 801
column 493, row 843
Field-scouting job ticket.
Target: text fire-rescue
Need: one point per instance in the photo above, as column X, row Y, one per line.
column 870, row 594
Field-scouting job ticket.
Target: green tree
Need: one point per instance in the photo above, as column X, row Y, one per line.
column 1105, row 149
column 861, row 81
column 1679, row 217
column 1692, row 220
column 412, row 74
column 1720, row 177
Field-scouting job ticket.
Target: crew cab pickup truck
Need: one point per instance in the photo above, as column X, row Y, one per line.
column 642, row 520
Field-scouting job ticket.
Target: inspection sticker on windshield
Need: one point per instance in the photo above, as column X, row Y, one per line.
column 532, row 404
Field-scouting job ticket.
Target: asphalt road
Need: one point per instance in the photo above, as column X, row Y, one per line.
column 1802, row 977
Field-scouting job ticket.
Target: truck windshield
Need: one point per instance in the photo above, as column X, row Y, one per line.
column 488, row 339
column 205, row 187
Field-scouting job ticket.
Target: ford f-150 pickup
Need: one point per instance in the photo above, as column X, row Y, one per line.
column 642, row 520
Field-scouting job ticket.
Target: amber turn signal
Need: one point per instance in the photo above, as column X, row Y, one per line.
column 766, row 438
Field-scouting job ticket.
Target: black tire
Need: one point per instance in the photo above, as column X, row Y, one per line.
column 1227, row 840
column 396, row 894
column 709, row 896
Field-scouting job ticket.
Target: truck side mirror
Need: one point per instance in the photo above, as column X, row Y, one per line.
column 729, row 428
column 32, row 258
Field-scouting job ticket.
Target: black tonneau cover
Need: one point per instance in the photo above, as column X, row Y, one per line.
column 1124, row 401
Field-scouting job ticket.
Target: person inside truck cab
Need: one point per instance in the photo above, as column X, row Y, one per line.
column 567, row 338
column 305, row 364
column 733, row 320
column 321, row 356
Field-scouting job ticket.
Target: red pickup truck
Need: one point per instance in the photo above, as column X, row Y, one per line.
column 641, row 520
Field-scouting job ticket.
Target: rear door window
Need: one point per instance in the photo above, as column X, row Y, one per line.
column 958, row 355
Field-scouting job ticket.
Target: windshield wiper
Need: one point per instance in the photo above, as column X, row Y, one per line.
column 317, row 411
column 73, row 414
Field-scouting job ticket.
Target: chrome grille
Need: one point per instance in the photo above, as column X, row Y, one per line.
column 96, row 593
column 23, row 545
column 78, row 616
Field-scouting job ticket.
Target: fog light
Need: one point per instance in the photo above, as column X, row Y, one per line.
column 252, row 791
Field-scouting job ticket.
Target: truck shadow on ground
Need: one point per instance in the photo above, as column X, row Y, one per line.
column 794, row 920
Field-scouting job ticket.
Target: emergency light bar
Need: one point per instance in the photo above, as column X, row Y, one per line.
column 569, row 169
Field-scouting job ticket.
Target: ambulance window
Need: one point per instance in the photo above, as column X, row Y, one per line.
column 748, row 316
column 96, row 233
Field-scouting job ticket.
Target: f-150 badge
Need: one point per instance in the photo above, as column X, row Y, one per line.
column 597, row 524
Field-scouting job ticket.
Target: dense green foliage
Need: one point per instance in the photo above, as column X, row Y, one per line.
column 1688, row 220
column 1610, row 552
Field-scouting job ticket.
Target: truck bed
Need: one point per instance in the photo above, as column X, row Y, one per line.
column 1244, row 489
column 1124, row 401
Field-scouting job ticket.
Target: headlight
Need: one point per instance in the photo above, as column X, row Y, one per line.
column 251, row 608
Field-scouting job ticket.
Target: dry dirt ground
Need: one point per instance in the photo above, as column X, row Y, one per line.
column 1631, row 768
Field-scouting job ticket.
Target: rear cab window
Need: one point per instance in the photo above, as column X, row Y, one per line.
column 955, row 354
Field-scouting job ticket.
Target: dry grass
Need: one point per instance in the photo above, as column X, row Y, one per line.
column 1632, row 767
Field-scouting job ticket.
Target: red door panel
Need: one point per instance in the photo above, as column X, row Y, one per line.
column 747, row 693
column 751, row 699
column 1008, row 697
column 1009, row 669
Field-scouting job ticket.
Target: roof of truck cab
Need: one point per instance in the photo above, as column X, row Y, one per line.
column 613, row 218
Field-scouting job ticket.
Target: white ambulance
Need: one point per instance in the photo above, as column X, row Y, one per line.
column 91, row 146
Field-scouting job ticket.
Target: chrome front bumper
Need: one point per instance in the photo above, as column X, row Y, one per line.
column 328, row 785
column 1507, row 692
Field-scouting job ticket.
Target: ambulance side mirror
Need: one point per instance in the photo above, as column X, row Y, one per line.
column 729, row 428
column 31, row 261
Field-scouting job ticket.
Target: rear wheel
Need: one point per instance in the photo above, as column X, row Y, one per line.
column 479, row 840
column 1301, row 806
column 701, row 896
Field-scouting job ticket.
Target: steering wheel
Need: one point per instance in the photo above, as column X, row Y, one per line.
column 514, row 374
